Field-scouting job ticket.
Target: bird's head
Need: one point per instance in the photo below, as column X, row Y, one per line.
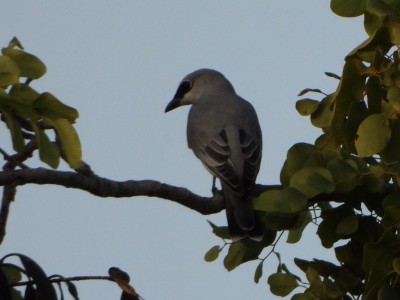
column 196, row 84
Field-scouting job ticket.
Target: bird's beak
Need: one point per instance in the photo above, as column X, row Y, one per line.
column 176, row 102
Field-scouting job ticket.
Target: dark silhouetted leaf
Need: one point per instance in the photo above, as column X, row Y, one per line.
column 258, row 273
column 345, row 8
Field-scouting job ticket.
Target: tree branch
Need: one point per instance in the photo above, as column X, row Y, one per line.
column 104, row 187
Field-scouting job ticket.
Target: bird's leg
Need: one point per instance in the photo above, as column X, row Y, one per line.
column 214, row 189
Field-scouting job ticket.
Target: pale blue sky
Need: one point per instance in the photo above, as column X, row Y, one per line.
column 119, row 63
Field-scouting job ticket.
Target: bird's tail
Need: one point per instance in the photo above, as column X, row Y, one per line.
column 242, row 219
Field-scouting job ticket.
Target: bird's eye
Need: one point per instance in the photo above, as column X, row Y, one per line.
column 183, row 88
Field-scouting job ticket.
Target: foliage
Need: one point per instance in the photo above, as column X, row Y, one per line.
column 346, row 182
column 30, row 114
column 41, row 286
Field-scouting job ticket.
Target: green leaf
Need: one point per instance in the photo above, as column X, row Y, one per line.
column 350, row 89
column 286, row 201
column 295, row 234
column 48, row 152
column 212, row 254
column 48, row 106
column 29, row 65
column 378, row 261
column 357, row 112
column 391, row 153
column 239, row 253
column 312, row 276
column 345, row 175
column 306, row 107
column 373, row 135
column 312, row 181
column 374, row 179
column 300, row 155
column 374, row 95
column 382, row 8
column 220, row 231
column 15, row 129
column 347, row 225
column 322, row 116
column 345, row 8
column 393, row 95
column 327, row 230
column 282, row 284
column 258, row 273
column 69, row 139
column 24, row 94
column 9, row 71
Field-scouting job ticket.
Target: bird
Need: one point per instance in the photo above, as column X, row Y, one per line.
column 224, row 133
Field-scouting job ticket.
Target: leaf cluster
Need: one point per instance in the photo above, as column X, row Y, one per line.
column 347, row 182
column 40, row 286
column 30, row 115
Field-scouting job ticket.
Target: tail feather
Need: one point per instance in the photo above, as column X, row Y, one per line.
column 242, row 219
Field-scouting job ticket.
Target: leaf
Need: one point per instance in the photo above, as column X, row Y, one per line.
column 322, row 116
column 44, row 288
column 345, row 176
column 327, row 230
column 393, row 95
column 295, row 234
column 122, row 279
column 356, row 114
column 300, row 155
column 212, row 254
column 347, row 225
column 333, row 75
column 15, row 129
column 391, row 153
column 351, row 88
column 70, row 143
column 306, row 107
column 312, row 181
column 378, row 261
column 24, row 94
column 9, row 71
column 242, row 251
column 286, row 201
column 48, row 152
column 220, row 231
column 374, row 95
column 382, row 8
column 313, row 276
column 373, row 135
column 258, row 273
column 345, row 8
column 307, row 90
column 234, row 256
column 30, row 66
column 48, row 106
column 282, row 284
column 391, row 218
column 72, row 290
column 5, row 290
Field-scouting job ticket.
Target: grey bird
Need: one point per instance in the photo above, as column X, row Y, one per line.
column 224, row 133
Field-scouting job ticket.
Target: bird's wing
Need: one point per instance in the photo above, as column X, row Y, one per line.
column 233, row 157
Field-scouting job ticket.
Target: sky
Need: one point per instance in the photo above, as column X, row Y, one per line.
column 119, row 63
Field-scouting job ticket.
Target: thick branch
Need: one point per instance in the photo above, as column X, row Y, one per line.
column 103, row 187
